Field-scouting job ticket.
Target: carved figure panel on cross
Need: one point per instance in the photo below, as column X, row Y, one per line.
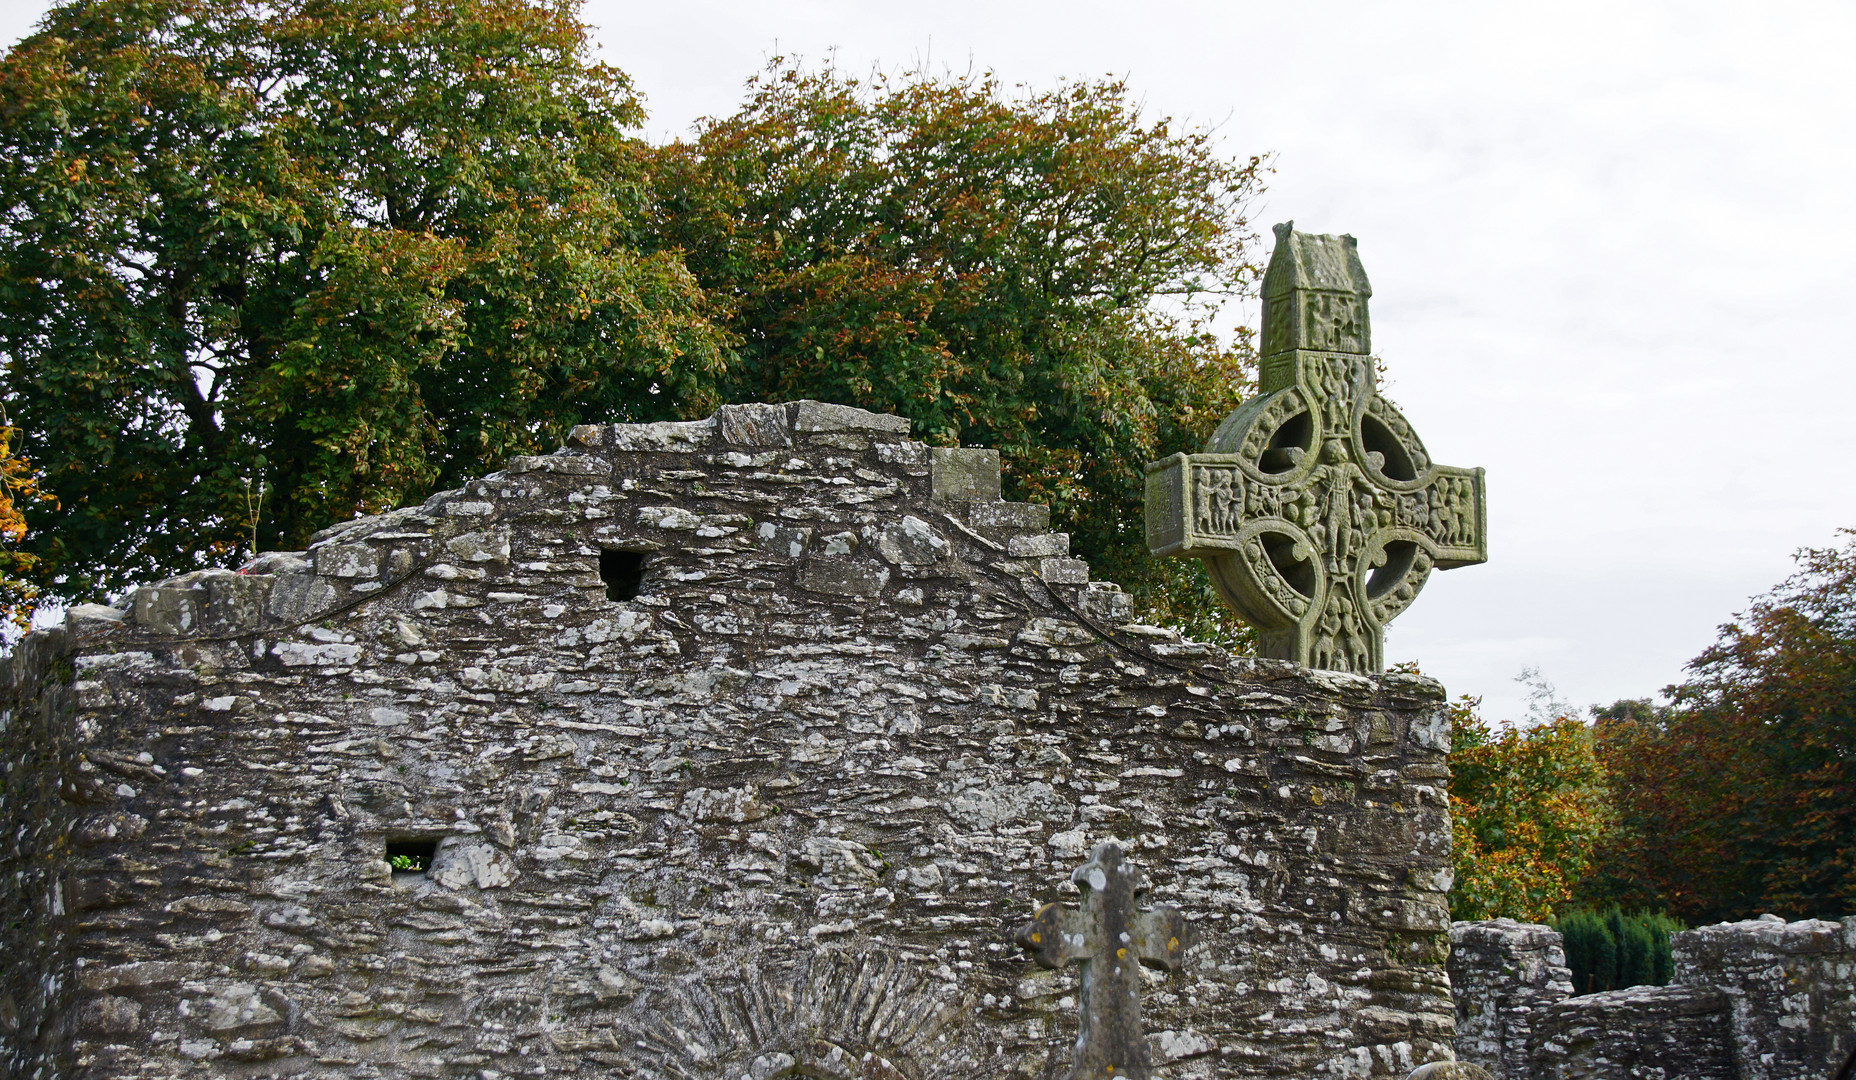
column 1317, row 511
column 1110, row 937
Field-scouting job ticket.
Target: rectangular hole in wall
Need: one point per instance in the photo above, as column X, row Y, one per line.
column 411, row 856
column 623, row 573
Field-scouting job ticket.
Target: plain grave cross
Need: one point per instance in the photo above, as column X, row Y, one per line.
column 1315, row 508
column 1110, row 937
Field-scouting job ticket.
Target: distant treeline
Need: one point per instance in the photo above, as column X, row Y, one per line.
column 1735, row 799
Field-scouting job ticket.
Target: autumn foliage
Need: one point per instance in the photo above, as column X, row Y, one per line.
column 20, row 571
column 1736, row 798
column 1527, row 809
column 1740, row 797
column 344, row 252
column 339, row 251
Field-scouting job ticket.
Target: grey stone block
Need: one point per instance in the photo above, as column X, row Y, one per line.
column 843, row 578
column 911, row 542
column 561, row 464
column 1010, row 515
column 168, row 608
column 669, row 436
column 959, row 474
column 79, row 617
column 1060, row 571
column 1104, row 602
column 754, row 425
column 348, row 561
column 295, row 597
column 821, row 416
column 203, row 602
column 1038, row 544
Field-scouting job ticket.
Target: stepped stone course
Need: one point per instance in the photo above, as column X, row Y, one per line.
column 1791, row 987
column 736, row 748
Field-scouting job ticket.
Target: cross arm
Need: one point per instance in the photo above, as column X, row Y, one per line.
column 1451, row 511
column 1160, row 937
column 1056, row 935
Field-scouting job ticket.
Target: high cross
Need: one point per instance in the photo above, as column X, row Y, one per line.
column 1110, row 937
column 1315, row 508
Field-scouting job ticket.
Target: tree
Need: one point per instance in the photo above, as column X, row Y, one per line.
column 1527, row 808
column 1682, row 786
column 1740, row 797
column 20, row 572
column 992, row 265
column 335, row 251
column 1610, row 950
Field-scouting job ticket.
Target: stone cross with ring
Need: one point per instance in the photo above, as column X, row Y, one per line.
column 1110, row 937
column 1316, row 510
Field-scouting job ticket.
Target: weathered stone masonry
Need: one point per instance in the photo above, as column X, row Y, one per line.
column 743, row 744
column 1756, row 1000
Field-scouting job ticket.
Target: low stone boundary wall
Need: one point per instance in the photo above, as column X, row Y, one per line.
column 1791, row 986
column 1756, row 1000
column 1643, row 1031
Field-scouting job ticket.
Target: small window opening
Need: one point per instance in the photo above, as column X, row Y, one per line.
column 411, row 856
column 623, row 573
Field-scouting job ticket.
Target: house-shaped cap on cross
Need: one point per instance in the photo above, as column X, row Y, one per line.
column 1315, row 507
column 1110, row 937
column 1314, row 296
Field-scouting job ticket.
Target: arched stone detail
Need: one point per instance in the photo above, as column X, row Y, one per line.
column 836, row 1016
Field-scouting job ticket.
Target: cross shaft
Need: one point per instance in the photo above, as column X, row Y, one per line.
column 1110, row 937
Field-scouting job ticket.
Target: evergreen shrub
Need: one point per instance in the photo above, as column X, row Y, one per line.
column 1610, row 950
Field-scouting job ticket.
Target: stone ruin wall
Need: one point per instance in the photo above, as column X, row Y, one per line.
column 1502, row 975
column 775, row 815
column 1757, row 1000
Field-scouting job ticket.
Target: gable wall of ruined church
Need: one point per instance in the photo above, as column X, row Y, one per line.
column 775, row 814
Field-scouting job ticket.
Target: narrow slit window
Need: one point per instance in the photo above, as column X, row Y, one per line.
column 623, row 573
column 411, row 856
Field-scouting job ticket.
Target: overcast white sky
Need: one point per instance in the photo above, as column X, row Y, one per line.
column 1610, row 245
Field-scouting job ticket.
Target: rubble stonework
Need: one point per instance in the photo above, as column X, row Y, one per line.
column 1791, row 988
column 1637, row 1032
column 1503, row 974
column 1756, row 1000
column 738, row 748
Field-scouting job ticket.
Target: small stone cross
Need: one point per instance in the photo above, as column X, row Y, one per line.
column 1315, row 508
column 1110, row 937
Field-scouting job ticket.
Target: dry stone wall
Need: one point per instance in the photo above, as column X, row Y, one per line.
column 1757, row 1000
column 1791, row 988
column 1503, row 975
column 738, row 748
column 1641, row 1032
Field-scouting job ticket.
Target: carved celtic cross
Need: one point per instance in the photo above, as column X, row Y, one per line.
column 1315, row 508
column 1110, row 937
